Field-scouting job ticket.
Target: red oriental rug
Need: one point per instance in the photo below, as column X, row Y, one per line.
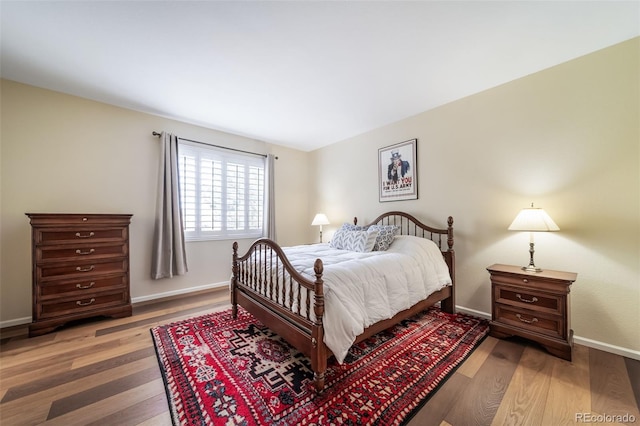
column 221, row 371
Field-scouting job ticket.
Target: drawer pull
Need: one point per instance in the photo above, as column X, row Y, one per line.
column 524, row 280
column 89, row 235
column 81, row 269
column 84, row 287
column 533, row 300
column 85, row 252
column 531, row 321
column 80, row 303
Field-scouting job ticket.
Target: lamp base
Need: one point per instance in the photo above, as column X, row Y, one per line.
column 532, row 266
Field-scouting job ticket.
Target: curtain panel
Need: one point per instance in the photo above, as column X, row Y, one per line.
column 269, row 226
column 169, row 256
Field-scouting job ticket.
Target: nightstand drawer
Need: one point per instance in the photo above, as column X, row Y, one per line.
column 525, row 298
column 518, row 281
column 530, row 320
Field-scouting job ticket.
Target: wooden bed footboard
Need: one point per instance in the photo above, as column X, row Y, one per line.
column 266, row 284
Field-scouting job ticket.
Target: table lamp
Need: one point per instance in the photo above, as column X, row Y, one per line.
column 320, row 219
column 533, row 220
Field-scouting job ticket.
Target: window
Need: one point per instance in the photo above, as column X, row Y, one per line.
column 221, row 193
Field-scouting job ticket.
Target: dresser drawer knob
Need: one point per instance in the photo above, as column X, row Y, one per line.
column 84, row 287
column 524, row 280
column 85, row 252
column 81, row 303
column 89, row 235
column 532, row 300
column 531, row 321
column 81, row 269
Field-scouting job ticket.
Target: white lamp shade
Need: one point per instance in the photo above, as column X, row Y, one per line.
column 320, row 219
column 533, row 220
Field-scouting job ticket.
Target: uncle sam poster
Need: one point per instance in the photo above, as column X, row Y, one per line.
column 397, row 171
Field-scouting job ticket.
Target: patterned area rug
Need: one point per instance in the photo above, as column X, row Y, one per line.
column 222, row 371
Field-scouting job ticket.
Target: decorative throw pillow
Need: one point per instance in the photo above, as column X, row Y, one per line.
column 337, row 241
column 360, row 241
column 386, row 234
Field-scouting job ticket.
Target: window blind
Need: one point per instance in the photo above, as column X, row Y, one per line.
column 222, row 193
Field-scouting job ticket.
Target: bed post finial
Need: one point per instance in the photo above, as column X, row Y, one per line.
column 450, row 233
column 318, row 304
column 234, row 270
column 355, row 220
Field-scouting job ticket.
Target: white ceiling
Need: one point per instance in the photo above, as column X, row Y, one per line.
column 301, row 74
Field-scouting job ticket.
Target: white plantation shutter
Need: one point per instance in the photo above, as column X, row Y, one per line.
column 222, row 193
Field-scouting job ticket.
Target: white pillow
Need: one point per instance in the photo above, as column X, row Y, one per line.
column 360, row 241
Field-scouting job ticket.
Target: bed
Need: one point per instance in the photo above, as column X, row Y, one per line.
column 288, row 291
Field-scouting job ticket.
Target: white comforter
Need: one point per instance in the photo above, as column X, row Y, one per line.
column 363, row 288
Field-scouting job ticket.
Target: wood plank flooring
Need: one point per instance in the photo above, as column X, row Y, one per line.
column 105, row 372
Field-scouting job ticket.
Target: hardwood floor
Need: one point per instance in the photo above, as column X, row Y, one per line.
column 105, row 372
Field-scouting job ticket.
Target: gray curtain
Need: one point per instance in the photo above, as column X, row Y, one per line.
column 169, row 257
column 269, row 226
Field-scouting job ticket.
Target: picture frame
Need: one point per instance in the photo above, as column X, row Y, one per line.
column 397, row 171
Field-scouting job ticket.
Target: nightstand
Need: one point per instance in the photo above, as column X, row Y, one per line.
column 535, row 306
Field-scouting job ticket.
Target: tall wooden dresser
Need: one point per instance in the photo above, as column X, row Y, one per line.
column 80, row 268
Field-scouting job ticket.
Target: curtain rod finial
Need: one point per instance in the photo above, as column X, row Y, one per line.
column 154, row 133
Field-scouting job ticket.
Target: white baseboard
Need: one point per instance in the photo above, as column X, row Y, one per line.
column 14, row 322
column 473, row 312
column 629, row 353
column 155, row 296
column 626, row 352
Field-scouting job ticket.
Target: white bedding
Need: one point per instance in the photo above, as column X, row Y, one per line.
column 363, row 288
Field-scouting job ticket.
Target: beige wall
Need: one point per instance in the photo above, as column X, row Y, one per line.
column 61, row 153
column 566, row 139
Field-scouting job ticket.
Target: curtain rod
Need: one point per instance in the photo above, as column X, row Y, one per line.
column 154, row 133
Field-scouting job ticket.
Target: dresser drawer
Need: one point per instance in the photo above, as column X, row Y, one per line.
column 529, row 299
column 530, row 320
column 80, row 251
column 81, row 269
column 80, row 287
column 79, row 235
column 77, row 305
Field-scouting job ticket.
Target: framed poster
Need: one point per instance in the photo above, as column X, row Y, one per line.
column 397, row 175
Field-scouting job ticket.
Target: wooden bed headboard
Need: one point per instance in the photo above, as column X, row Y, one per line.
column 409, row 225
